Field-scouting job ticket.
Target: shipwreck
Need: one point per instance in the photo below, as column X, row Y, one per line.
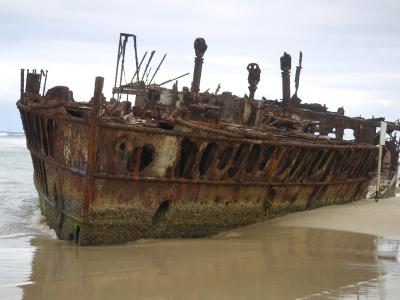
column 185, row 163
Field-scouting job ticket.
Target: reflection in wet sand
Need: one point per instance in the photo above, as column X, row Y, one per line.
column 257, row 262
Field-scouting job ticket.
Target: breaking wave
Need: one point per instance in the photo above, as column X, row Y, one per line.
column 11, row 134
column 37, row 222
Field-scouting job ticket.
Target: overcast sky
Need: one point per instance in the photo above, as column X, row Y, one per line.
column 351, row 48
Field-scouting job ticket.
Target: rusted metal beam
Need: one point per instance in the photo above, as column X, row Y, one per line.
column 297, row 76
column 136, row 56
column 286, row 65
column 148, row 63
column 22, row 83
column 158, row 67
column 92, row 143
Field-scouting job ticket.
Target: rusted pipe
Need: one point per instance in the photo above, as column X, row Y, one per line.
column 98, row 96
column 22, row 82
column 286, row 65
column 200, row 48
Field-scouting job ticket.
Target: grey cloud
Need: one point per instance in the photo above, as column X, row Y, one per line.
column 349, row 46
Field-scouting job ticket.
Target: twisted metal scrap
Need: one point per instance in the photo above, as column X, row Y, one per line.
column 200, row 47
column 253, row 78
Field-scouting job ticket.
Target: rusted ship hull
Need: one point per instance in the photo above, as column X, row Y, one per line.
column 193, row 183
column 183, row 163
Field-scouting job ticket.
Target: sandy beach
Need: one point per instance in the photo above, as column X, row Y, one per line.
column 316, row 254
column 366, row 216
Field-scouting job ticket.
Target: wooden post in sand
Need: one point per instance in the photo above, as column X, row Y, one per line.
column 382, row 139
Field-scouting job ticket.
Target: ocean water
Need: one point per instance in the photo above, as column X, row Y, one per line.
column 19, row 205
column 20, row 218
column 260, row 261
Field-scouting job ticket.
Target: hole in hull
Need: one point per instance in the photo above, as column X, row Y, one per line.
column 267, row 154
column 165, row 125
column 225, row 157
column 207, row 158
column 253, row 157
column 146, row 157
column 140, row 158
column 186, row 163
column 77, row 232
column 240, row 153
column 161, row 212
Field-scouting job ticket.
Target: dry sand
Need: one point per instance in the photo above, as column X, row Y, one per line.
column 364, row 216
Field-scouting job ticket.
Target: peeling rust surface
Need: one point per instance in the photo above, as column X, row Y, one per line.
column 187, row 163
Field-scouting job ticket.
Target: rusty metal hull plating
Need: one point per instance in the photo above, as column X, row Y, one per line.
column 155, row 182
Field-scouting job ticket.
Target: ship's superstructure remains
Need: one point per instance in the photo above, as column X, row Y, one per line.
column 187, row 163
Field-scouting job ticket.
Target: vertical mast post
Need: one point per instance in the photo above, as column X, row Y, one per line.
column 118, row 57
column 286, row 65
column 382, row 140
column 22, row 82
column 200, row 48
column 136, row 56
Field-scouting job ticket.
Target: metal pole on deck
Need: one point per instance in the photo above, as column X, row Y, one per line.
column 286, row 66
column 22, row 82
column 200, row 48
column 382, row 140
column 45, row 81
column 98, row 96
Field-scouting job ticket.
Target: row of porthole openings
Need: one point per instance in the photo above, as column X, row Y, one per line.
column 142, row 156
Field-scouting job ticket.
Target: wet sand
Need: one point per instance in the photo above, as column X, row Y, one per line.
column 286, row 258
column 257, row 262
